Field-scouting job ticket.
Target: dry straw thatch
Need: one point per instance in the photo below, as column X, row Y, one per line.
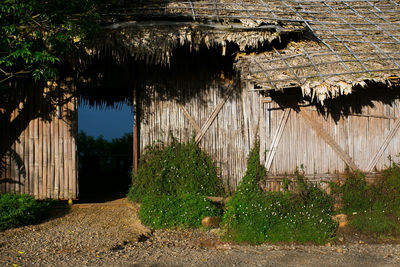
column 342, row 44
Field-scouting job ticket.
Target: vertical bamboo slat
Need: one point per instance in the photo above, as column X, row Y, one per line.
column 35, row 155
column 46, row 160
column 65, row 157
column 14, row 179
column 20, row 151
column 75, row 177
column 25, row 156
column 45, row 154
column 52, row 160
column 39, row 158
column 69, row 155
column 31, row 152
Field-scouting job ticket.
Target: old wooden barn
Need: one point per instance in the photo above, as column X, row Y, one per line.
column 316, row 82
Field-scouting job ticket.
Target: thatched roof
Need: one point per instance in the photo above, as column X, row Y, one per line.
column 339, row 43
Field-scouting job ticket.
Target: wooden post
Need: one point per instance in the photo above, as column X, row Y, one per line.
column 135, row 132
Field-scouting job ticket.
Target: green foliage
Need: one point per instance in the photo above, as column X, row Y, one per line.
column 377, row 219
column 389, row 187
column 254, row 216
column 19, row 210
column 310, row 194
column 355, row 193
column 171, row 184
column 255, row 172
column 36, row 35
column 175, row 170
column 373, row 209
column 39, row 41
column 176, row 211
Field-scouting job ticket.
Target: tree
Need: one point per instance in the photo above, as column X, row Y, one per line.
column 37, row 39
column 35, row 36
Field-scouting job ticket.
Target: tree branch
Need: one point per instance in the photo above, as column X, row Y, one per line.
column 11, row 75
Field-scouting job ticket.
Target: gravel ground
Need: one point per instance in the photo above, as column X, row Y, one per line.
column 111, row 235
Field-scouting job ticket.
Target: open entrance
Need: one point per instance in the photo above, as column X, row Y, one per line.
column 104, row 144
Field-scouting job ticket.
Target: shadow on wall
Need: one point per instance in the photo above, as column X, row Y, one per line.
column 21, row 102
column 344, row 105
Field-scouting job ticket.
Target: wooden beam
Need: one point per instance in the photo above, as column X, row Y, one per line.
column 209, row 25
column 190, row 118
column 362, row 115
column 266, row 99
column 135, row 133
column 276, row 139
column 319, row 130
column 383, row 146
column 213, row 115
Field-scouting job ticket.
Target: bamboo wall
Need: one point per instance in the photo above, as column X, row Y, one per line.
column 359, row 135
column 48, row 151
column 228, row 140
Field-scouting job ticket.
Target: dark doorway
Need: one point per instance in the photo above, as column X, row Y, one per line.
column 104, row 145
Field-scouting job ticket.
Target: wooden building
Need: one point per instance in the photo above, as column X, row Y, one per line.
column 316, row 82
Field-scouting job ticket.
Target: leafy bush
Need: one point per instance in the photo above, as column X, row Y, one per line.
column 255, row 216
column 175, row 170
column 373, row 209
column 389, row 187
column 355, row 194
column 19, row 210
column 171, row 211
column 171, row 184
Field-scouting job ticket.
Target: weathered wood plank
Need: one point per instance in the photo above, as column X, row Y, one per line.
column 56, row 138
column 190, row 118
column 39, row 159
column 66, row 155
column 328, row 139
column 383, row 146
column 75, row 181
column 213, row 115
column 276, row 139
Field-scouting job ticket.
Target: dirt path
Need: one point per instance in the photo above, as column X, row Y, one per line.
column 111, row 235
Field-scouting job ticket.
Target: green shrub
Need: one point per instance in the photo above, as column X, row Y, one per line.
column 255, row 216
column 19, row 210
column 171, row 184
column 355, row 194
column 373, row 220
column 389, row 187
column 175, row 170
column 374, row 209
column 172, row 212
